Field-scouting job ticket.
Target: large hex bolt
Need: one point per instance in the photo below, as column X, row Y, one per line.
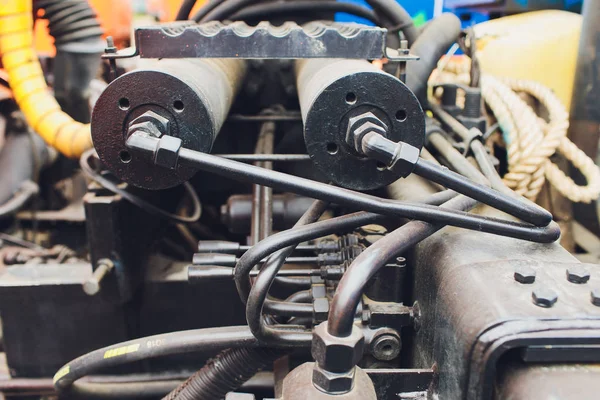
column 544, row 297
column 151, row 123
column 337, row 354
column 524, row 274
column 362, row 124
column 332, row 382
column 578, row 274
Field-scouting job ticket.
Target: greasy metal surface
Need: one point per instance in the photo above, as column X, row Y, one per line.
column 194, row 95
column 239, row 40
column 473, row 310
column 332, row 91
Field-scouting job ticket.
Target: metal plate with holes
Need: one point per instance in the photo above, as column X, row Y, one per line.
column 239, row 40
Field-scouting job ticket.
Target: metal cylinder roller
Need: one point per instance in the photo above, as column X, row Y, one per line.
column 334, row 95
column 188, row 99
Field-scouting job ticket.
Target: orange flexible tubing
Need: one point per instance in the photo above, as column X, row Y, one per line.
column 25, row 76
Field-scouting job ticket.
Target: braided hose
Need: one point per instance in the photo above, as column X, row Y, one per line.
column 41, row 110
column 531, row 141
column 225, row 373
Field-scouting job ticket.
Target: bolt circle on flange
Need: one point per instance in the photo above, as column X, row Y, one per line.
column 326, row 125
column 130, row 104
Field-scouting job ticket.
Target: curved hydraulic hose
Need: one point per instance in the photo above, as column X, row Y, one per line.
column 398, row 17
column 269, row 10
column 209, row 340
column 183, row 14
column 26, row 79
column 431, row 45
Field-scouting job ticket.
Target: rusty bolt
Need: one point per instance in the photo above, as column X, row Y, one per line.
column 578, row 274
column 596, row 297
column 331, row 382
column 544, row 297
column 151, row 123
column 524, row 274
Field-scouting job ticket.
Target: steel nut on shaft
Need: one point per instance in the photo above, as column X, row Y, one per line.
column 336, row 358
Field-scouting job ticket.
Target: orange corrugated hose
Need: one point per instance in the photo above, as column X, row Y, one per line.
column 42, row 111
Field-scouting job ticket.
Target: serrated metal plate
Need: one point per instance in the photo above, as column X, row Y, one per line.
column 264, row 41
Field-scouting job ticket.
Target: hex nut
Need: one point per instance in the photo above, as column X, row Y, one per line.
column 320, row 309
column 167, row 152
column 318, row 290
column 331, row 382
column 544, row 297
column 406, row 158
column 360, row 125
column 159, row 123
column 354, row 139
column 337, row 354
column 596, row 297
column 578, row 274
column 525, row 274
column 146, row 127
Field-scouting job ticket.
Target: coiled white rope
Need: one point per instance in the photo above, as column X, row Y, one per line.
column 531, row 141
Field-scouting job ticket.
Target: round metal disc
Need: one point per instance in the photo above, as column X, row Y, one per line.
column 327, row 121
column 130, row 96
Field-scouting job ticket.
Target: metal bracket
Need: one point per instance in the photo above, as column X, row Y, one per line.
column 264, row 41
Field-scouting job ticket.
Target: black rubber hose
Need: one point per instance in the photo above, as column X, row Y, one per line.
column 21, row 158
column 431, row 45
column 224, row 10
column 183, row 14
column 373, row 258
column 398, row 17
column 205, row 9
column 199, row 340
column 269, row 10
column 225, row 373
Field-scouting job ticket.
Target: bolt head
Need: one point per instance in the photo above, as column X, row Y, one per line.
column 386, row 347
column 331, row 382
column 596, row 297
column 320, row 309
column 337, row 354
column 544, row 297
column 91, row 287
column 578, row 274
column 524, row 274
